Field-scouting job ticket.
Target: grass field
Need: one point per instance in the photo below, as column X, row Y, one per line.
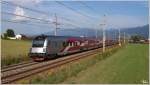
column 60, row 74
column 129, row 66
column 13, row 51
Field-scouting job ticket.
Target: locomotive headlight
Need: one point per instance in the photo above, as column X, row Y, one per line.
column 44, row 49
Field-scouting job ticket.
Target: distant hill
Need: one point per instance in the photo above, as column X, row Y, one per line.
column 110, row 33
column 143, row 30
column 74, row 32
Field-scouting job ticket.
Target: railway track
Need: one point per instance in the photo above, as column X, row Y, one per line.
column 21, row 71
column 16, row 66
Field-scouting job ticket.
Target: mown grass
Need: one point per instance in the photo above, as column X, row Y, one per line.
column 128, row 66
column 14, row 51
column 71, row 69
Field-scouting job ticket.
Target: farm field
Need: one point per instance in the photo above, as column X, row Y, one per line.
column 14, row 51
column 129, row 65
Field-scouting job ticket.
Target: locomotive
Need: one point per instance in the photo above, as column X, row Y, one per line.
column 45, row 47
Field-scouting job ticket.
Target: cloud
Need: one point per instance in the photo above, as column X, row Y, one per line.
column 26, row 2
column 19, row 11
column 114, row 20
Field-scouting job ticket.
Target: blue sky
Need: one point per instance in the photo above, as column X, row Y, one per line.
column 84, row 14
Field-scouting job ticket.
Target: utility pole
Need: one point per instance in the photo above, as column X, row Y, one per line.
column 124, row 38
column 96, row 33
column 103, row 24
column 56, row 25
column 119, row 38
column 115, row 38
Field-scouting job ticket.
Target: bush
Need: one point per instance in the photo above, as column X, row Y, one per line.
column 11, row 60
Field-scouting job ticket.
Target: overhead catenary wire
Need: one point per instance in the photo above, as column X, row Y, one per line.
column 81, row 2
column 28, row 17
column 47, row 14
column 70, row 8
column 48, row 22
column 11, row 21
column 90, row 8
column 33, row 10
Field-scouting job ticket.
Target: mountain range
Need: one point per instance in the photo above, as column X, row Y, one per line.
column 110, row 33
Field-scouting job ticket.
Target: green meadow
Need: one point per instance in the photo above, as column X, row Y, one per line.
column 129, row 65
column 14, row 51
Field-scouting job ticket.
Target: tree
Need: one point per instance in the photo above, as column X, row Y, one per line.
column 136, row 38
column 5, row 36
column 10, row 33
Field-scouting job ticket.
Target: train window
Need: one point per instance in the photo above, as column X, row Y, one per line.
column 78, row 43
column 49, row 42
column 75, row 43
column 38, row 43
column 70, row 43
column 65, row 44
column 55, row 44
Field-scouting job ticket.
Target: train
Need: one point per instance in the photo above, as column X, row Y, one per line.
column 46, row 46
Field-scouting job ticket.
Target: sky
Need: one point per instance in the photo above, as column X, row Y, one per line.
column 71, row 15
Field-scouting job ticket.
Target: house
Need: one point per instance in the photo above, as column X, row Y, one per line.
column 12, row 38
column 18, row 36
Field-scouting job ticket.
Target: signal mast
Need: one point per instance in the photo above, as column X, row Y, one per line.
column 103, row 25
column 56, row 25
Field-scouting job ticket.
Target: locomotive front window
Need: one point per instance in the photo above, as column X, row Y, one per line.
column 38, row 43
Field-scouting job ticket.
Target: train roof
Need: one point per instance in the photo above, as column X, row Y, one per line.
column 66, row 38
column 57, row 37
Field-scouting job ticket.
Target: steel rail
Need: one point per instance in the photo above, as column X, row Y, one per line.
column 40, row 67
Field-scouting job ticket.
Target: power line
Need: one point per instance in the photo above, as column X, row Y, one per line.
column 23, row 23
column 72, row 9
column 81, row 2
column 11, row 21
column 27, row 17
column 70, row 25
column 68, row 20
column 33, row 10
column 41, row 12
column 38, row 19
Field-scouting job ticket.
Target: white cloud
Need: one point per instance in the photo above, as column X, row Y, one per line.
column 19, row 11
column 114, row 21
column 26, row 2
